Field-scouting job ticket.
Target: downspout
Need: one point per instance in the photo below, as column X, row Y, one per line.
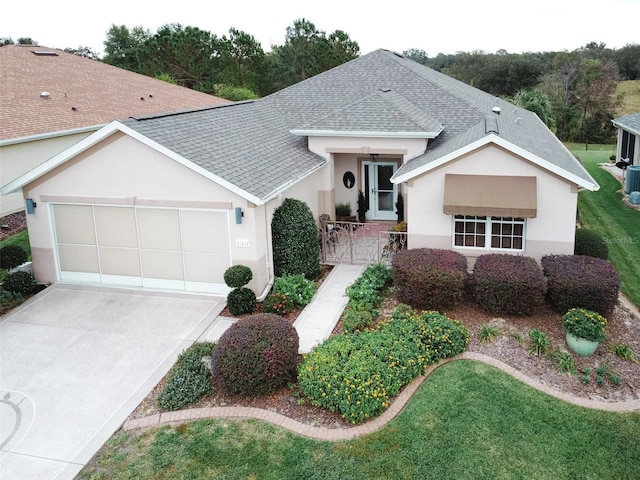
column 267, row 289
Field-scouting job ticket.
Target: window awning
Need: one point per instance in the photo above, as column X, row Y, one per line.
column 490, row 195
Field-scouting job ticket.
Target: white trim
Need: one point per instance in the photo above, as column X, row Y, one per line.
column 47, row 135
column 621, row 127
column 79, row 277
column 121, row 280
column 488, row 235
column 363, row 133
column 163, row 284
column 201, row 287
column 100, row 135
column 499, row 141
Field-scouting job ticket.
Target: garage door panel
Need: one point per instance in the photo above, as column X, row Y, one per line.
column 120, row 261
column 162, row 265
column 205, row 268
column 158, row 229
column 116, row 227
column 204, row 232
column 78, row 258
column 74, row 224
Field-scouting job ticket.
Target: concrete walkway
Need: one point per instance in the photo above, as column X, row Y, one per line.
column 318, row 319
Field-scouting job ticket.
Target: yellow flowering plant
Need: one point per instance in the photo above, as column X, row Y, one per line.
column 586, row 324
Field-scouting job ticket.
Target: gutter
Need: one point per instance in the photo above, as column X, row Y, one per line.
column 44, row 136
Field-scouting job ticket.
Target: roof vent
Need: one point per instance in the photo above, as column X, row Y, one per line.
column 496, row 110
column 518, row 121
column 385, row 89
column 45, row 95
column 45, row 53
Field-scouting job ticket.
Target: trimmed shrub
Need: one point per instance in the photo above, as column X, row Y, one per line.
column 237, row 276
column 356, row 318
column 508, row 284
column 19, row 282
column 357, row 374
column 296, row 242
column 296, row 287
column 428, row 278
column 278, row 303
column 241, row 300
column 590, row 243
column 580, row 281
column 256, row 355
column 189, row 379
column 11, row 256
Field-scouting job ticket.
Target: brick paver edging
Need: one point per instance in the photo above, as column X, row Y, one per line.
column 329, row 434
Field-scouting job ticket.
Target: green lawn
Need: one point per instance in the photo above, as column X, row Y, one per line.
column 468, row 420
column 604, row 212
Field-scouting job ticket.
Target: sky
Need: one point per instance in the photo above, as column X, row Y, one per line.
column 445, row 26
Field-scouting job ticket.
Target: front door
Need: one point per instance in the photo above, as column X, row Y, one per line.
column 380, row 193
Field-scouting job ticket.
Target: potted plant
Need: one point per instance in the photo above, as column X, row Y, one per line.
column 343, row 212
column 584, row 329
column 362, row 207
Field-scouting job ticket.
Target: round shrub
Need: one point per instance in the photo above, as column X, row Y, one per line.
column 256, row 355
column 278, row 303
column 11, row 256
column 357, row 318
column 296, row 242
column 590, row 243
column 508, row 284
column 241, row 300
column 237, row 276
column 19, row 282
column 580, row 281
column 428, row 278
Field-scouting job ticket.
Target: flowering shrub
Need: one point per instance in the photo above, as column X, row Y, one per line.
column 296, row 287
column 580, row 281
column 508, row 284
column 355, row 318
column 367, row 289
column 586, row 324
column 357, row 374
column 256, row 355
column 429, row 278
column 189, row 378
column 278, row 303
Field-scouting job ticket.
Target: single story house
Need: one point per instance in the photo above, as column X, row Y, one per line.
column 170, row 201
column 628, row 132
column 51, row 99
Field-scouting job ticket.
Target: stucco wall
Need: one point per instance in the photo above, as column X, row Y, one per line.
column 19, row 158
column 552, row 231
column 123, row 171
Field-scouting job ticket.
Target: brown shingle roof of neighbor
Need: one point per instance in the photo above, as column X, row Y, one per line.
column 81, row 92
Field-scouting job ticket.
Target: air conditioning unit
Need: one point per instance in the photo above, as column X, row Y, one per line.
column 632, row 183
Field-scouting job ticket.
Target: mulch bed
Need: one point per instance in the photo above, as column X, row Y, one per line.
column 12, row 224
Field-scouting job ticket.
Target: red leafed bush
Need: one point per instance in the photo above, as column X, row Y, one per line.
column 579, row 281
column 429, row 278
column 508, row 284
column 256, row 355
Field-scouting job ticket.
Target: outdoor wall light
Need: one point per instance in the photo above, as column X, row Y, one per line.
column 31, row 205
column 239, row 215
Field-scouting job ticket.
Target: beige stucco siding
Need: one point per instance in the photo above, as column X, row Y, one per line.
column 123, row 173
column 551, row 231
column 18, row 158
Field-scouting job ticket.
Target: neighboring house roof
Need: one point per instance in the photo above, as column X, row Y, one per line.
column 260, row 146
column 630, row 123
column 82, row 92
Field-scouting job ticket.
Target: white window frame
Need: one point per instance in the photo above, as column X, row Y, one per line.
column 488, row 222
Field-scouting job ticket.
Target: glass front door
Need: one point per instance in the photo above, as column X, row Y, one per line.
column 380, row 193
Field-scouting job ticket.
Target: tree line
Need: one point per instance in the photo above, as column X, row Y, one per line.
column 572, row 92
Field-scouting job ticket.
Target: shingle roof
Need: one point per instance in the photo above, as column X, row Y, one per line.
column 251, row 144
column 99, row 92
column 631, row 123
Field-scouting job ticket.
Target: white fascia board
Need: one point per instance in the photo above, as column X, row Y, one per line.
column 100, row 135
column 363, row 134
column 44, row 136
column 495, row 139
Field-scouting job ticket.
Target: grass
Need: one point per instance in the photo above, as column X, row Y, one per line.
column 604, row 212
column 630, row 89
column 468, row 420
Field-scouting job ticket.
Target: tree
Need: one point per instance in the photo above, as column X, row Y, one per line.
column 83, row 51
column 537, row 102
column 242, row 59
column 628, row 60
column 417, row 55
column 122, row 46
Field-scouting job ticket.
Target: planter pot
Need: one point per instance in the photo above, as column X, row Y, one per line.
column 583, row 347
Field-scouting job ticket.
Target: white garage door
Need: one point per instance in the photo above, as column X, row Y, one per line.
column 165, row 248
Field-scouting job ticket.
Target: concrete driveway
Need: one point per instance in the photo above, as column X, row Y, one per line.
column 76, row 361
